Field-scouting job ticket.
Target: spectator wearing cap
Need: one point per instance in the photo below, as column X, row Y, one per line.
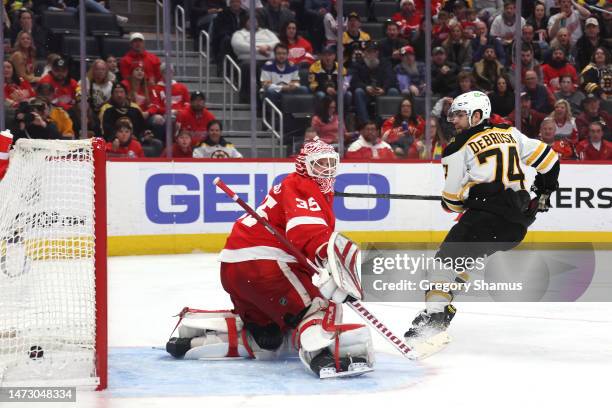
column 502, row 97
column 65, row 87
column 557, row 66
column 592, row 112
column 569, row 92
column 503, row 26
column 123, row 143
column 595, row 147
column 119, row 106
column 55, row 114
column 458, row 49
column 564, row 149
column 531, row 119
column 369, row 146
column 215, row 146
column 410, row 73
column 593, row 74
column 408, row 18
column 586, row 45
column 323, row 76
column 353, row 31
column 40, row 35
column 542, row 99
column 443, row 73
column 265, row 40
column 226, row 24
column 372, row 77
column 482, row 40
column 391, row 45
column 24, row 57
column 16, row 89
column 488, row 70
column 404, row 131
column 138, row 53
column 300, row 49
column 182, row 146
column 179, row 92
column 195, row 118
column 570, row 17
column 272, row 16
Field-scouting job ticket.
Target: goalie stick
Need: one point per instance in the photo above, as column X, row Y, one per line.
column 366, row 315
column 389, row 196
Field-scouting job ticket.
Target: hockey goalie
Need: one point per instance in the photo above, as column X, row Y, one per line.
column 277, row 307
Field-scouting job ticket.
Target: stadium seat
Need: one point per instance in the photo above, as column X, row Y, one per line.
column 360, row 7
column 418, row 104
column 298, row 106
column 383, row 10
column 376, row 30
column 60, row 22
column 71, row 46
column 387, row 106
column 103, row 25
column 114, row 46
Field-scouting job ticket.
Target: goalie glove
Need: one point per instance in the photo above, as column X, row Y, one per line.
column 329, row 288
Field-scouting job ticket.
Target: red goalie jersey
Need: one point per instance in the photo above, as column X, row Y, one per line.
column 300, row 207
column 6, row 139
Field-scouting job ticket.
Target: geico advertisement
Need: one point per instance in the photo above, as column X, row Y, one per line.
column 148, row 198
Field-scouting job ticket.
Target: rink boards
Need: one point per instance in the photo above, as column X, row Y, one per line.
column 159, row 207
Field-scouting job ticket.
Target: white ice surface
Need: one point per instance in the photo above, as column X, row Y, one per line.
column 502, row 354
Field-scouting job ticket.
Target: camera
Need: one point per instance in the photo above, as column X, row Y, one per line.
column 27, row 110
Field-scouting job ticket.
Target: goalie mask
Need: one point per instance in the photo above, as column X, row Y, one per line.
column 319, row 161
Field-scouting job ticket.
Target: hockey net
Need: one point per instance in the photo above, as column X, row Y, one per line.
column 52, row 265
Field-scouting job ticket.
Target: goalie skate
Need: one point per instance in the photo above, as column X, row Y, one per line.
column 354, row 370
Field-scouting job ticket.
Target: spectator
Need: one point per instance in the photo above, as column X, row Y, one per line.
column 369, row 146
column 502, row 97
column 201, row 15
column 443, row 73
column 605, row 23
column 541, row 98
column 441, row 29
column 439, row 140
column 145, row 95
column 227, row 23
column 487, row 9
column 272, row 16
column 595, row 147
column 391, row 45
column 353, row 31
column 323, row 76
column 592, row 75
column 404, row 131
column 113, row 68
column 593, row 113
column 440, row 111
column 458, row 49
column 503, row 26
column 562, row 40
column 65, row 87
column 300, row 49
column 586, row 45
column 528, row 37
column 265, row 40
column 569, row 18
column 215, row 146
column 539, row 21
column 138, row 53
column 569, row 92
column 330, row 25
column 410, row 73
column 119, row 106
column 483, row 40
column 528, row 63
column 246, row 4
column 31, row 123
column 124, row 143
column 24, row 56
column 558, row 66
column 325, row 120
column 16, row 89
column 564, row 149
column 531, row 119
column 151, row 146
column 372, row 77
column 407, row 19
column 314, row 13
column 99, row 84
column 488, row 70
column 178, row 91
column 565, row 124
column 51, row 58
column 279, row 77
column 182, row 147
column 195, row 118
column 465, row 83
column 38, row 34
column 54, row 114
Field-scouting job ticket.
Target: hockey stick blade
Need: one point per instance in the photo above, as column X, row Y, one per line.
column 389, row 196
column 430, row 346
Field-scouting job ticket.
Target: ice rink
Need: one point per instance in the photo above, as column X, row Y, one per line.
column 502, row 354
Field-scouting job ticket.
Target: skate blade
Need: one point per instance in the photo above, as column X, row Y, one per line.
column 354, row 370
column 426, row 347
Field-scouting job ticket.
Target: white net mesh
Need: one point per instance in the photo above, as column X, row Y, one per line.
column 47, row 276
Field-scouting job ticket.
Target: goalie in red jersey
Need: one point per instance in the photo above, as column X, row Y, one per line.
column 6, row 139
column 273, row 295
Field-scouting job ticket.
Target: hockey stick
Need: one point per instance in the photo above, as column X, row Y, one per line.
column 389, row 196
column 375, row 323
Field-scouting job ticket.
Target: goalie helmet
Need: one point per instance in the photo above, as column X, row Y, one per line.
column 469, row 103
column 319, row 161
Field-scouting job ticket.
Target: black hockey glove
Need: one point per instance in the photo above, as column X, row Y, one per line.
column 543, row 189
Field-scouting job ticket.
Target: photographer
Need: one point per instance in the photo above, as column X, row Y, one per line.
column 32, row 121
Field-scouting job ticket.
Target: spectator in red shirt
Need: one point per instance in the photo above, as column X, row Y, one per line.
column 179, row 92
column 300, row 49
column 137, row 53
column 369, row 146
column 142, row 93
column 65, row 87
column 182, row 147
column 564, row 149
column 558, row 66
column 195, row 118
column 404, row 131
column 592, row 113
column 124, row 143
column 530, row 118
column 595, row 147
column 441, row 30
column 325, row 120
column 408, row 18
column 16, row 89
